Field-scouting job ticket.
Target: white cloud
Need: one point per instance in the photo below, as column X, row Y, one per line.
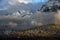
column 11, row 24
column 35, row 23
column 23, row 1
column 12, row 2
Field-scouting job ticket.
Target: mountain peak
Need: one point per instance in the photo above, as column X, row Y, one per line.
column 51, row 6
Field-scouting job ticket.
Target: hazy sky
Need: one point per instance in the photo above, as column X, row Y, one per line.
column 32, row 1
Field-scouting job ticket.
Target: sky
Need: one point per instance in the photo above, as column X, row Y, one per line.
column 4, row 4
column 32, row 1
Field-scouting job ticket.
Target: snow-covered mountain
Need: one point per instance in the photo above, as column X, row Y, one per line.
column 22, row 13
column 51, row 6
column 13, row 6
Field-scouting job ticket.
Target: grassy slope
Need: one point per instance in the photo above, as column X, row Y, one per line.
column 50, row 30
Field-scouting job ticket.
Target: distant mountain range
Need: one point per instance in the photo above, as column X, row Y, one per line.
column 21, row 6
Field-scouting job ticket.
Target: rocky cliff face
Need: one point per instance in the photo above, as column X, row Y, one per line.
column 51, row 6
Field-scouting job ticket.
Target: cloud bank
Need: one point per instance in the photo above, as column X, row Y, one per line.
column 22, row 1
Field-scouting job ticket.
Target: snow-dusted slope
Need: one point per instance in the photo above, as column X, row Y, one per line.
column 12, row 6
column 51, row 6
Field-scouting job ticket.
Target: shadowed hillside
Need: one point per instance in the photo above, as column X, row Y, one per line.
column 49, row 31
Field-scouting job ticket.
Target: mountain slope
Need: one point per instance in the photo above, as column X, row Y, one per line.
column 51, row 6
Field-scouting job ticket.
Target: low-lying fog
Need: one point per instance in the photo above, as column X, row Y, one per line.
column 18, row 23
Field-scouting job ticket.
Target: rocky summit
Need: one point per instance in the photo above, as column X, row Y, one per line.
column 51, row 6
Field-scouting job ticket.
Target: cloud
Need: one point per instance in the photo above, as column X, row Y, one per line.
column 23, row 1
column 57, row 18
column 12, row 2
column 31, row 1
column 12, row 24
column 35, row 23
